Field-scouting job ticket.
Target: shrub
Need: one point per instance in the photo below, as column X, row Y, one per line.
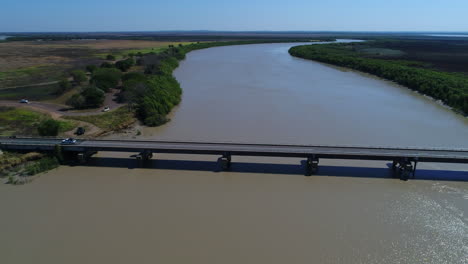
column 49, row 127
column 107, row 65
column 89, row 98
column 106, row 79
column 79, row 76
column 125, row 65
column 91, row 68
column 77, row 101
column 42, row 165
column 110, row 57
column 93, row 96
column 133, row 76
column 63, row 86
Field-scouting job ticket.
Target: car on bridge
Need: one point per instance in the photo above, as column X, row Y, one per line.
column 68, row 141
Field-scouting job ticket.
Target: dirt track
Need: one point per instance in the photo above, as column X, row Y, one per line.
column 57, row 111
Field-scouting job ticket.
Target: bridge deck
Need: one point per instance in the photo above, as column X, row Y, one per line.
column 332, row 152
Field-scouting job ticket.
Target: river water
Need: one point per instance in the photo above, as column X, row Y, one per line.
column 264, row 210
column 260, row 94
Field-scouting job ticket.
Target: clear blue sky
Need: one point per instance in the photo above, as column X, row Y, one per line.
column 236, row 15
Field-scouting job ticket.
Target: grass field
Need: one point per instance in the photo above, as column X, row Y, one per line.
column 40, row 92
column 33, row 62
column 110, row 121
column 159, row 47
column 18, row 121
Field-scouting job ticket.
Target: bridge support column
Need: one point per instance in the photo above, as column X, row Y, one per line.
column 83, row 157
column 145, row 155
column 143, row 158
column 312, row 165
column 225, row 161
column 404, row 168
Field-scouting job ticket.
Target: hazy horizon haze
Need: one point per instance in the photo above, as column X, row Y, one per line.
column 242, row 15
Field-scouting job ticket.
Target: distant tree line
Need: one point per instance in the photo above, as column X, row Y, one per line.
column 450, row 88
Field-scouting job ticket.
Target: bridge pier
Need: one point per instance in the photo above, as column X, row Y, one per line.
column 312, row 165
column 145, row 155
column 225, row 161
column 84, row 156
column 143, row 158
column 404, row 168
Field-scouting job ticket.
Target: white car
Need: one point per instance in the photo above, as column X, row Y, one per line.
column 106, row 109
column 68, row 141
column 24, row 101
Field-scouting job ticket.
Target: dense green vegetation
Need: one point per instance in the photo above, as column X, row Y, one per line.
column 436, row 54
column 106, row 78
column 19, row 166
column 450, row 88
column 45, row 164
column 110, row 121
column 90, row 97
column 64, row 85
column 125, row 65
column 48, row 127
column 9, row 159
column 79, row 76
column 18, row 121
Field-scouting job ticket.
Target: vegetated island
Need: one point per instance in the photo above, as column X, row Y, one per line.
column 436, row 68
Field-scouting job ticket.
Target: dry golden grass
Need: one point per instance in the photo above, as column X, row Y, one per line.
column 20, row 60
column 15, row 55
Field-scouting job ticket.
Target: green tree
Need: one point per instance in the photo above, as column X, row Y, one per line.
column 110, row 57
column 107, row 65
column 79, row 76
column 106, row 79
column 77, row 101
column 48, row 127
column 91, row 68
column 63, row 86
column 94, row 97
column 125, row 65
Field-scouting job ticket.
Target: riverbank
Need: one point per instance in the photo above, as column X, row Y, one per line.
column 450, row 88
column 19, row 168
column 154, row 91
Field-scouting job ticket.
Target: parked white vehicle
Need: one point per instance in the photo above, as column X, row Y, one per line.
column 106, row 109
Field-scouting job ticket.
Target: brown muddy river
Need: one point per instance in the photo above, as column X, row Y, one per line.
column 264, row 210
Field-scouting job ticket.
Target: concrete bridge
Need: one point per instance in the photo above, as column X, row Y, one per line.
column 404, row 159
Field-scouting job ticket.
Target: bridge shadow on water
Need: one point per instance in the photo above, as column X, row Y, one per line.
column 269, row 168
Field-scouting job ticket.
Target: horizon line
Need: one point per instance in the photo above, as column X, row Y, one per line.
column 240, row 31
